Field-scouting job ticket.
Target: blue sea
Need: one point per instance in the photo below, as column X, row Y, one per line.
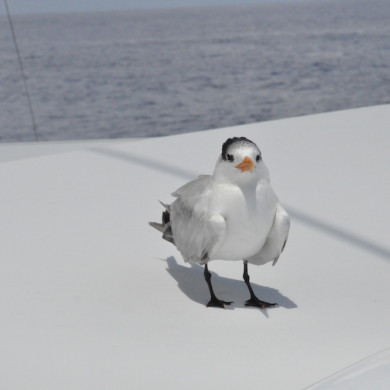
column 157, row 72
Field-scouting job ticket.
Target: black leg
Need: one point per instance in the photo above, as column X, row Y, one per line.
column 253, row 300
column 214, row 301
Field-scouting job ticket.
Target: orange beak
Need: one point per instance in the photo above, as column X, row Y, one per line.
column 246, row 165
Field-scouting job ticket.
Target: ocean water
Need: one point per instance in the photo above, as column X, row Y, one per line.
column 160, row 72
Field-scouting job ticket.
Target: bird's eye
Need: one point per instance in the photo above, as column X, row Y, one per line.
column 230, row 157
column 258, row 158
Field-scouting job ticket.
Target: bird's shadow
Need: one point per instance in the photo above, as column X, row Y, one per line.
column 191, row 282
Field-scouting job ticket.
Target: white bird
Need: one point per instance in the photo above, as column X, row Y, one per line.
column 233, row 214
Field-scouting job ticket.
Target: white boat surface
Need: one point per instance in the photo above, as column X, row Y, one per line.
column 91, row 297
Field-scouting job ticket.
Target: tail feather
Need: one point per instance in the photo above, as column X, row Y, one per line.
column 166, row 206
column 165, row 227
column 158, row 226
column 166, row 217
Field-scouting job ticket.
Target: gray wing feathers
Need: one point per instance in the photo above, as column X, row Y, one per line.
column 193, row 189
column 195, row 233
column 276, row 239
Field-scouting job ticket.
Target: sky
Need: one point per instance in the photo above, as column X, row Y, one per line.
column 60, row 6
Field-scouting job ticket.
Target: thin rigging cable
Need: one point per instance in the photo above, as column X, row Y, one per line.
column 24, row 78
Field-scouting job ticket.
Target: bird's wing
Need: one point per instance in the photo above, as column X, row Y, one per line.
column 193, row 188
column 196, row 233
column 276, row 239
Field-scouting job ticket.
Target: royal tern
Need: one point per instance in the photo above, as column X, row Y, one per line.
column 233, row 214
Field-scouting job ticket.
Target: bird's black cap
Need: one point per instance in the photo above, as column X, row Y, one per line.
column 230, row 141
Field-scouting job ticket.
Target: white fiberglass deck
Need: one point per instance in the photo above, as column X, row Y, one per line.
column 92, row 298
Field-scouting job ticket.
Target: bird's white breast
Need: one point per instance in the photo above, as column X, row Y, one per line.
column 249, row 214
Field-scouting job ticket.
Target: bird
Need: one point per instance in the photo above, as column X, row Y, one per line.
column 233, row 214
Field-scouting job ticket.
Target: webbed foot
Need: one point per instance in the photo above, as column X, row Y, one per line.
column 215, row 302
column 256, row 302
